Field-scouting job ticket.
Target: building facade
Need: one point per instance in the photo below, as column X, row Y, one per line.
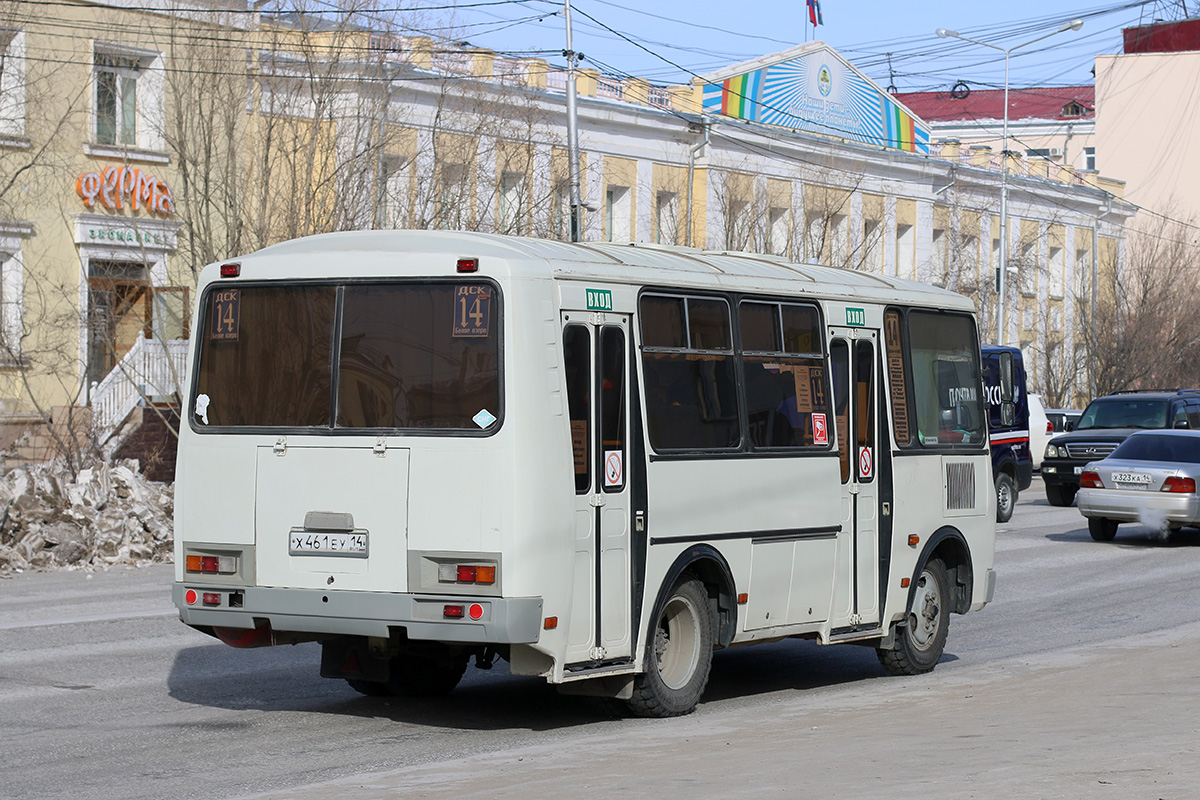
column 158, row 142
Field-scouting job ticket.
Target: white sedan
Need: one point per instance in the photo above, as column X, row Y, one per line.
column 1149, row 479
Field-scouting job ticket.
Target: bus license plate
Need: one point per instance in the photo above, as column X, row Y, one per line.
column 326, row 543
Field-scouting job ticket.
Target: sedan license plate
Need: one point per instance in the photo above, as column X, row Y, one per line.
column 327, row 543
column 1140, row 479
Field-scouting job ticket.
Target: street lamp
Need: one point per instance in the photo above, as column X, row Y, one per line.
column 943, row 33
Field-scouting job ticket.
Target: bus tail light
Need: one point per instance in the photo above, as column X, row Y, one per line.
column 467, row 573
column 1178, row 484
column 1091, row 480
column 210, row 564
column 452, row 611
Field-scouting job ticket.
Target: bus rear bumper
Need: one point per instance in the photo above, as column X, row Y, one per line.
column 501, row 620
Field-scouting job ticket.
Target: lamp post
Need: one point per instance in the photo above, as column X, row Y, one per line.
column 1073, row 25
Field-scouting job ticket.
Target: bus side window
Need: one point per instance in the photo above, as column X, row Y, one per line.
column 612, row 407
column 577, row 359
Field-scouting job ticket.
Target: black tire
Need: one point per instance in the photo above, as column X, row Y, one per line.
column 1006, row 497
column 417, row 675
column 1102, row 530
column 369, row 688
column 1060, row 495
column 421, row 675
column 922, row 639
column 680, row 654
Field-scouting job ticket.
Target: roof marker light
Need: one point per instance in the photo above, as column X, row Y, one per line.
column 468, row 265
column 231, row 270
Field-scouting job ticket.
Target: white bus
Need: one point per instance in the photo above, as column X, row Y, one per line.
column 599, row 462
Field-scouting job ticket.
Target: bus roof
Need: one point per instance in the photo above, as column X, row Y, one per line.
column 635, row 262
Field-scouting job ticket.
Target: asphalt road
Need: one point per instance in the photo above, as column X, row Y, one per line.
column 1079, row 680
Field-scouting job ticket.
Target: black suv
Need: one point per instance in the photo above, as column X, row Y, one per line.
column 1104, row 425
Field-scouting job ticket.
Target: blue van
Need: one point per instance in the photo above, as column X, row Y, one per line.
column 1008, row 425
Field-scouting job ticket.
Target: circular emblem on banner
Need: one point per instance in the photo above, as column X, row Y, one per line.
column 824, row 80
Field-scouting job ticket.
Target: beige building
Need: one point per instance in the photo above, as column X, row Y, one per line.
column 150, row 146
column 1145, row 117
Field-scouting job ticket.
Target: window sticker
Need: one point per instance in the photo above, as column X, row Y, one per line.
column 866, row 463
column 614, row 468
column 484, row 419
column 820, row 430
column 472, row 312
column 226, row 314
column 201, row 409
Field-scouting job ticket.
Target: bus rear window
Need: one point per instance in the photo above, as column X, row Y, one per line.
column 421, row 356
column 265, row 356
column 417, row 356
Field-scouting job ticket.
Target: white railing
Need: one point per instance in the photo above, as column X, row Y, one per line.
column 611, row 88
column 659, row 96
column 150, row 368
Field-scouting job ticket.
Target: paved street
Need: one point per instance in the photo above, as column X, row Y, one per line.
column 1079, row 681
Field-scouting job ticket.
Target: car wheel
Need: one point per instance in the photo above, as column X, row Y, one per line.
column 922, row 639
column 1060, row 495
column 1102, row 530
column 680, row 656
column 1006, row 497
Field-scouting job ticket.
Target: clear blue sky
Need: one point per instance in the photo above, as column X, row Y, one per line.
column 665, row 41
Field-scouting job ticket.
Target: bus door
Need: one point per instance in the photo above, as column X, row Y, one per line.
column 855, row 374
column 596, row 359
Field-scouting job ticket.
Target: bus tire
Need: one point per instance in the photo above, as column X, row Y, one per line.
column 1102, row 530
column 922, row 639
column 1006, row 497
column 1060, row 495
column 369, row 688
column 421, row 675
column 680, row 654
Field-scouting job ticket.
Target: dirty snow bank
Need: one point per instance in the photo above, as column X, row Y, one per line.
column 110, row 514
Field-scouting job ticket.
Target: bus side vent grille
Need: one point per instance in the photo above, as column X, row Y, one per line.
column 960, row 485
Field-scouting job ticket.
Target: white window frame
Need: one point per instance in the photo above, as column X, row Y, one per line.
column 12, row 83
column 145, row 69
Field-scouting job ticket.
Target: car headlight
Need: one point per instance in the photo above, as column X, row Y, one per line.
column 1051, row 451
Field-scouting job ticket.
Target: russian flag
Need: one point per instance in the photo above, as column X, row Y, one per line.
column 814, row 13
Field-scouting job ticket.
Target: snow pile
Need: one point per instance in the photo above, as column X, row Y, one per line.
column 109, row 514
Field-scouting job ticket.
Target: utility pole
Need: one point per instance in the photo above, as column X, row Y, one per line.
column 572, row 133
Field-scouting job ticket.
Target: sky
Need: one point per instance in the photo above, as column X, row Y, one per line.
column 670, row 41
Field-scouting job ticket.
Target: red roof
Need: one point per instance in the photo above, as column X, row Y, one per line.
column 1035, row 103
column 1166, row 37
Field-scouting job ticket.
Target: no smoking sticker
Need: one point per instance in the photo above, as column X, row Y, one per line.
column 866, row 463
column 820, row 432
column 614, row 468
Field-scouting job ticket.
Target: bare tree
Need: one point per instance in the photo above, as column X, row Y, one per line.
column 1145, row 334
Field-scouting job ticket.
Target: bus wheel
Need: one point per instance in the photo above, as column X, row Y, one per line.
column 1102, row 530
column 920, row 642
column 426, row 675
column 680, row 657
column 1006, row 497
column 369, row 688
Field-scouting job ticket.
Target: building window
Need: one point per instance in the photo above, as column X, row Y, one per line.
column 396, row 188
column 616, row 214
column 939, row 263
column 1089, row 158
column 127, row 98
column 560, row 212
column 512, row 193
column 666, row 218
column 12, row 83
column 1057, row 263
column 116, row 99
column 777, row 221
